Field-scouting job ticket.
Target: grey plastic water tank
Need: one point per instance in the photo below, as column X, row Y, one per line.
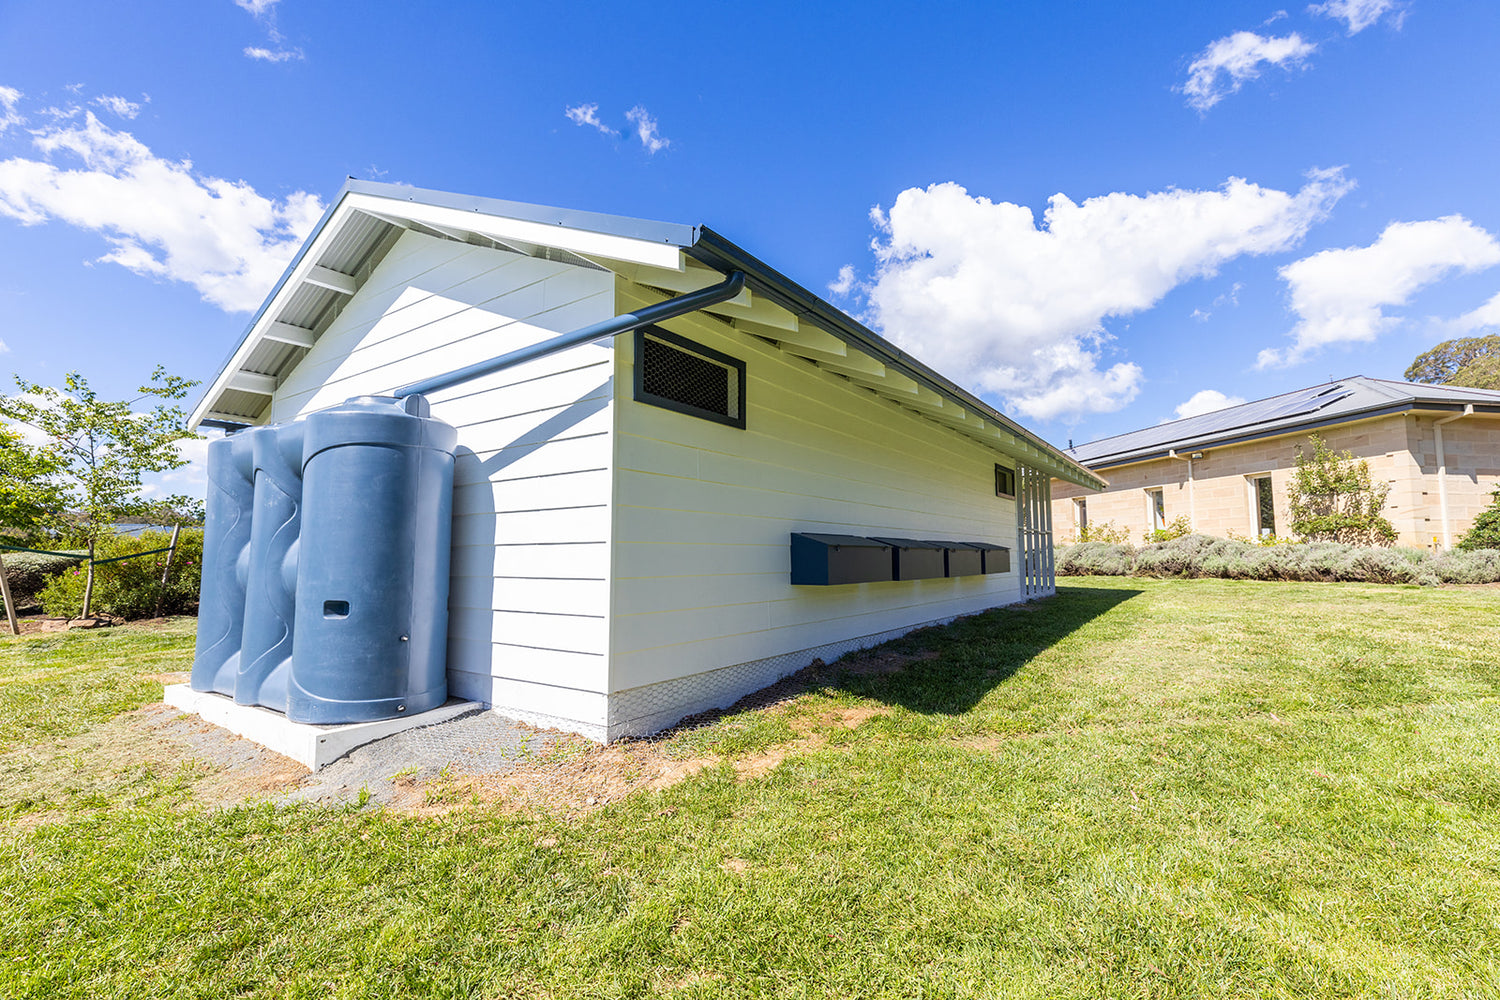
column 226, row 541
column 271, row 583
column 372, row 588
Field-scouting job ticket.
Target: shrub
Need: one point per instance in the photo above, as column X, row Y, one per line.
column 1314, row 562
column 1476, row 566
column 1105, row 532
column 1095, row 559
column 1333, row 498
column 1380, row 566
column 1485, row 533
column 130, row 588
column 1179, row 556
column 27, row 573
column 1179, row 527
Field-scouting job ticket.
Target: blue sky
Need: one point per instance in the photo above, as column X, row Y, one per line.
column 1245, row 199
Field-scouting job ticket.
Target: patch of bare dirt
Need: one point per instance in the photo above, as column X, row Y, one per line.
column 877, row 664
column 593, row 779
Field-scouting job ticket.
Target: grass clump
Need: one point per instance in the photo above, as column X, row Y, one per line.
column 1206, row 556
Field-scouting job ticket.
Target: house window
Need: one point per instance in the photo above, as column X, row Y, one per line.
column 1005, row 482
column 1263, row 502
column 1081, row 516
column 678, row 374
column 1156, row 509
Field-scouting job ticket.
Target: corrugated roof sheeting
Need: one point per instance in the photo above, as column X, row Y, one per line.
column 307, row 305
column 234, row 402
column 354, row 242
column 271, row 357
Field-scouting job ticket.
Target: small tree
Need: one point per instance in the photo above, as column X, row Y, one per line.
column 1485, row 533
column 99, row 449
column 1332, row 498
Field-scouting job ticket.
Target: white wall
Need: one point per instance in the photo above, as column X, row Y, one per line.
column 704, row 513
column 528, row 626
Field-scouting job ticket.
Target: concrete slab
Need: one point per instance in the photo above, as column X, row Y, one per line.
column 309, row 745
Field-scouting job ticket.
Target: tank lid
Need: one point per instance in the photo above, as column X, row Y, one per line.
column 415, row 404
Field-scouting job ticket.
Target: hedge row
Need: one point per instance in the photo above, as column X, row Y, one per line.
column 1323, row 562
column 27, row 573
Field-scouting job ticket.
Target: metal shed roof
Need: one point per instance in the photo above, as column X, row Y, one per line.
column 1356, row 398
column 664, row 258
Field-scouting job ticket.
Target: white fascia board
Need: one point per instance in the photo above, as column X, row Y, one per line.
column 580, row 241
column 269, row 312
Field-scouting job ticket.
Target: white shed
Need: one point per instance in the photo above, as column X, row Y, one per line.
column 622, row 528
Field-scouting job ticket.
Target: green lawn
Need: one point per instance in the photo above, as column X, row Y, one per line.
column 1137, row 789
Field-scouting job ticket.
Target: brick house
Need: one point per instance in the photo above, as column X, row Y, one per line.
column 1227, row 471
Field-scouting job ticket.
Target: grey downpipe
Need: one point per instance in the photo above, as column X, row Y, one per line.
column 623, row 323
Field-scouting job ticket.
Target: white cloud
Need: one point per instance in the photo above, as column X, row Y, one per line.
column 1340, row 295
column 257, row 7
column 1206, row 401
column 117, row 106
column 1486, row 317
column 981, row 292
column 9, row 116
column 4, row 347
column 159, row 217
column 588, row 114
column 845, row 282
column 1358, row 15
column 646, row 129
column 1226, row 64
column 273, row 55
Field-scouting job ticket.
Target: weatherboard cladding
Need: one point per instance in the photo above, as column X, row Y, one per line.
column 1321, row 405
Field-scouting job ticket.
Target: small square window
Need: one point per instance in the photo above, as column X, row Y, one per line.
column 1005, row 482
column 678, row 374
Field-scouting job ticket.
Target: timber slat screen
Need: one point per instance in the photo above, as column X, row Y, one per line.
column 1034, row 531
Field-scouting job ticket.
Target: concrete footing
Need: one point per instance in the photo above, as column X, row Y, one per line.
column 312, row 746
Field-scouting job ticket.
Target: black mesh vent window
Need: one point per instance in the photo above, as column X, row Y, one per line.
column 676, row 373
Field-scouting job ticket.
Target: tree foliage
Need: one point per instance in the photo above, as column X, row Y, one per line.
column 1473, row 362
column 1332, row 498
column 1485, row 532
column 30, row 498
column 96, row 451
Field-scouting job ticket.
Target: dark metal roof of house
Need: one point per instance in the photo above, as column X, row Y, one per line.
column 1356, row 398
column 312, row 290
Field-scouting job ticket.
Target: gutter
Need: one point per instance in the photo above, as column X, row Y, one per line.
column 1442, row 471
column 723, row 255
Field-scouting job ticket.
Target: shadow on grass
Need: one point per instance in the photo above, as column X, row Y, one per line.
column 944, row 669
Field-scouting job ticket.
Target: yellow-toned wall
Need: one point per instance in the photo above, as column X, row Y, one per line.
column 1401, row 450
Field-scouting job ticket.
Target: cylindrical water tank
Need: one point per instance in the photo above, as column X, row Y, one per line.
column 271, row 584
column 372, row 587
column 226, row 541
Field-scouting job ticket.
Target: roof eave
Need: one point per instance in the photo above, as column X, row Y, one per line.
column 723, row 255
